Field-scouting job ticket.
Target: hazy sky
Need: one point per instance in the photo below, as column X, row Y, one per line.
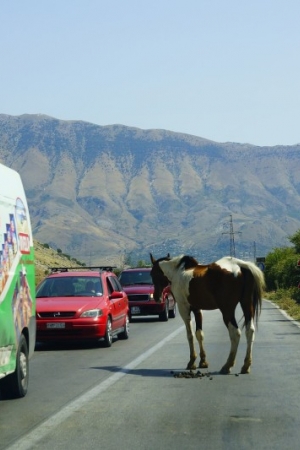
column 225, row 70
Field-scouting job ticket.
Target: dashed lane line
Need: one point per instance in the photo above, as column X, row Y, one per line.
column 28, row 441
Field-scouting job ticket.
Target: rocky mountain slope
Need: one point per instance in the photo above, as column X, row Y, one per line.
column 103, row 193
column 47, row 257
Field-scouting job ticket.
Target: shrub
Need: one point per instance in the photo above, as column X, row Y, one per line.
column 281, row 269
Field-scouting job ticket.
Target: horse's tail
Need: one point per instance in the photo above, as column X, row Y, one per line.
column 258, row 284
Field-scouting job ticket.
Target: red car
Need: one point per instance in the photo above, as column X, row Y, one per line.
column 82, row 304
column 137, row 283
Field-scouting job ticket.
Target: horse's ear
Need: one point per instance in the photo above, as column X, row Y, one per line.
column 168, row 255
column 152, row 259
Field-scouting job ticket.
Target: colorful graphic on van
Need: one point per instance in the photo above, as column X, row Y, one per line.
column 21, row 313
column 22, row 303
column 17, row 283
column 22, row 227
column 14, row 242
column 16, row 237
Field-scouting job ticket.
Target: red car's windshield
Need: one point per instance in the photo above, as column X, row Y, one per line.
column 130, row 278
column 70, row 287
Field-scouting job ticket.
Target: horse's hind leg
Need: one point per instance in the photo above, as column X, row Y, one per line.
column 250, row 335
column 250, row 308
column 234, row 334
column 200, row 337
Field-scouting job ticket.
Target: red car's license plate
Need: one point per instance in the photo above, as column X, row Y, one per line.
column 135, row 310
column 56, row 325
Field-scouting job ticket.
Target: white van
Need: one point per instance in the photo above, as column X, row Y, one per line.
column 17, row 286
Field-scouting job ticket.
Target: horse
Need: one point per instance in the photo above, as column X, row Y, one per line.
column 219, row 285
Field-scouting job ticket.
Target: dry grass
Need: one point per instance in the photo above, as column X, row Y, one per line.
column 45, row 258
column 282, row 299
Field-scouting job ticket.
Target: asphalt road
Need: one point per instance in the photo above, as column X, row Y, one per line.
column 126, row 396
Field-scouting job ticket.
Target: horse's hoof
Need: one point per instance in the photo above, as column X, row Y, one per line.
column 225, row 370
column 191, row 366
column 203, row 365
column 245, row 370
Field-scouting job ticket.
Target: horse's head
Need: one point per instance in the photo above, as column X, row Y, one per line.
column 160, row 281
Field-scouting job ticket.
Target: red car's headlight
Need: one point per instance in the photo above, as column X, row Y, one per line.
column 92, row 313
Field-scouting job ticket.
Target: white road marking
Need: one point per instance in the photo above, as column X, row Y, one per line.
column 284, row 313
column 245, row 419
column 27, row 441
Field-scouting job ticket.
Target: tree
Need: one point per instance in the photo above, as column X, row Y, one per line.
column 295, row 239
column 276, row 263
column 281, row 266
column 142, row 263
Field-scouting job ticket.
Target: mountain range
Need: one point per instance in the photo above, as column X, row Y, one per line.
column 106, row 194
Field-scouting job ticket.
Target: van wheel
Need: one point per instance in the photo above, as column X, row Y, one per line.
column 15, row 385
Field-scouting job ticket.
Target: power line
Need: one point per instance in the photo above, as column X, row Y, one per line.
column 254, row 251
column 231, row 234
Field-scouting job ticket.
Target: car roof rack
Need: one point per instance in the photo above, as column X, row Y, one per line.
column 83, row 268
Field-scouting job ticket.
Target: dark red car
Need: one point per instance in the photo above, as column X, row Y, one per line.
column 137, row 283
column 89, row 303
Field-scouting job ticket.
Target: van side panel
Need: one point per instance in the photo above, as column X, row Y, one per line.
column 17, row 273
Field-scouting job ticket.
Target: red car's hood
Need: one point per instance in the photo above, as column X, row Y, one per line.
column 139, row 289
column 48, row 304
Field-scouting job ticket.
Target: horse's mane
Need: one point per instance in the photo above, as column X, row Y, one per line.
column 188, row 262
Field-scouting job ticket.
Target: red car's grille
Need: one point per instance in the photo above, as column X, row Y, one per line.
column 138, row 297
column 60, row 333
column 57, row 314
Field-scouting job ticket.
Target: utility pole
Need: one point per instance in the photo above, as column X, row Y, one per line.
column 231, row 235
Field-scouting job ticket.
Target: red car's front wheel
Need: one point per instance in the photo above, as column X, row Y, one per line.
column 125, row 333
column 108, row 338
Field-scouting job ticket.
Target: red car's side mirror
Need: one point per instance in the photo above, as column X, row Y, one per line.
column 115, row 295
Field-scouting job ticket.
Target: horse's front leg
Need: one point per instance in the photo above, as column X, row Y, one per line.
column 234, row 334
column 190, row 337
column 200, row 338
column 184, row 311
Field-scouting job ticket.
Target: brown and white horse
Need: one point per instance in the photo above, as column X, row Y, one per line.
column 219, row 285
